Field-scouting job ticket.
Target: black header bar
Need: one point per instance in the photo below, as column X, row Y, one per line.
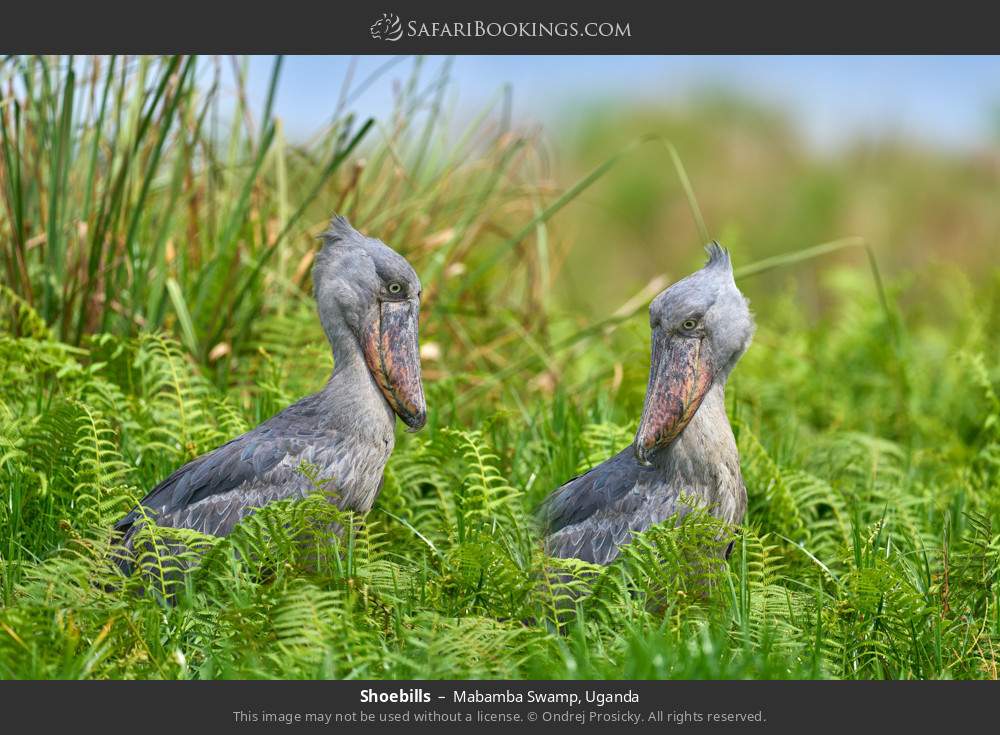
column 509, row 27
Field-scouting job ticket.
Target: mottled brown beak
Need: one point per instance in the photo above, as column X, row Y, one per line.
column 680, row 374
column 392, row 351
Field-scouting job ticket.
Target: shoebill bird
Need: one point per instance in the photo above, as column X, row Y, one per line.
column 368, row 298
column 701, row 326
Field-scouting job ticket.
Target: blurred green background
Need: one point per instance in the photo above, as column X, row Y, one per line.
column 782, row 153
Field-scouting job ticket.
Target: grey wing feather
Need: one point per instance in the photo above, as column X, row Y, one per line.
column 591, row 516
column 215, row 473
column 583, row 496
column 200, row 495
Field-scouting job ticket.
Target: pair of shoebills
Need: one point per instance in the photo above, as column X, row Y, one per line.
column 368, row 298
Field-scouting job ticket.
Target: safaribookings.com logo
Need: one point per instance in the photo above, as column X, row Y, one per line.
column 390, row 28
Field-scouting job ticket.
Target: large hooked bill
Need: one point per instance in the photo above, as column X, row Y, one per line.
column 680, row 374
column 392, row 352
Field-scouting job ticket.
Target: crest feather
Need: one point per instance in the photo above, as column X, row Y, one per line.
column 718, row 256
column 341, row 232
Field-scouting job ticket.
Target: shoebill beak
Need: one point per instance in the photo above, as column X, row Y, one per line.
column 680, row 374
column 392, row 352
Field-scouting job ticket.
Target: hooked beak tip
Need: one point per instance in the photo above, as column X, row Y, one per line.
column 415, row 422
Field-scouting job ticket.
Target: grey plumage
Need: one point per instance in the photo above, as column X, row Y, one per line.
column 684, row 448
column 346, row 430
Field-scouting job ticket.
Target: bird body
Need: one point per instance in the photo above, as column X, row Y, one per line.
column 592, row 516
column 684, row 454
column 368, row 299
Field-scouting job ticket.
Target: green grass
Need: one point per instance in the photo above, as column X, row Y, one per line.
column 866, row 411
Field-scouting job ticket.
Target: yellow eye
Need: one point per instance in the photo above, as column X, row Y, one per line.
column 689, row 324
column 395, row 288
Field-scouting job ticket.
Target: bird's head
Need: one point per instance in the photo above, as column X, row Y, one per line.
column 369, row 291
column 701, row 327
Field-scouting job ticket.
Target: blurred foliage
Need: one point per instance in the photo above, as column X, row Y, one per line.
column 869, row 430
column 763, row 192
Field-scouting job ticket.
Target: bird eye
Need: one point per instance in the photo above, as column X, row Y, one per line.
column 395, row 287
column 689, row 324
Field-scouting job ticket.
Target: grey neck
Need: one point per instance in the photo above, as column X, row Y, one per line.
column 706, row 442
column 355, row 404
